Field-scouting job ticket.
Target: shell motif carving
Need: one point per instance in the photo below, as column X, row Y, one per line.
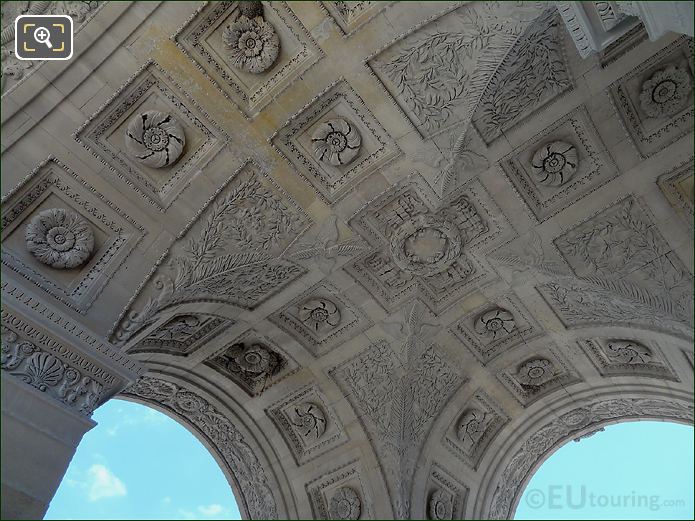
column 154, row 138
column 628, row 352
column 666, row 92
column 495, row 323
column 535, row 372
column 59, row 238
column 252, row 43
column 336, row 142
column 554, row 163
column 43, row 370
column 319, row 314
column 345, row 504
column 441, row 505
column 310, row 420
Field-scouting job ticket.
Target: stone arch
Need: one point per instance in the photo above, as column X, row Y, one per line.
column 258, row 489
column 528, row 443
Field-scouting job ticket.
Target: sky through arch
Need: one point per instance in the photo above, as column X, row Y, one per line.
column 631, row 470
column 138, row 463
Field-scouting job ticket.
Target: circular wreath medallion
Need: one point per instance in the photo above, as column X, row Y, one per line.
column 253, row 44
column 59, row 238
column 425, row 245
column 336, row 142
column 155, row 139
column 554, row 163
column 666, row 92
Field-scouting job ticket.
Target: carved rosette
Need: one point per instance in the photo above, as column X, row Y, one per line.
column 441, row 505
column 426, row 245
column 666, row 92
column 495, row 323
column 154, row 138
column 178, row 329
column 535, row 372
column 60, row 238
column 471, row 426
column 310, row 420
column 255, row 360
column 319, row 314
column 252, row 42
column 628, row 352
column 345, row 504
column 336, row 142
column 554, row 163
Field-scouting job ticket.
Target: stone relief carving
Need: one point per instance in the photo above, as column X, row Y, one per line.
column 655, row 99
column 49, row 374
column 352, row 15
column 472, row 431
column 567, row 427
column 533, row 377
column 495, row 323
column 533, row 74
column 155, row 139
column 336, row 142
column 345, row 504
column 561, row 165
column 440, row 505
column 620, row 357
column 622, row 243
column 554, row 163
column 60, row 238
column 678, row 186
column 321, row 318
column 666, row 92
column 251, row 365
column 308, row 424
column 230, row 444
column 252, row 43
column 182, row 334
column 234, row 256
column 399, row 395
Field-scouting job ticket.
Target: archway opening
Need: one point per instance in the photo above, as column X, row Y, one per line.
column 631, row 470
column 138, row 463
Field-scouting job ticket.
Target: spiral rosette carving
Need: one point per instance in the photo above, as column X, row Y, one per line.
column 666, row 92
column 252, row 42
column 336, row 142
column 60, row 238
column 319, row 314
column 425, row 245
column 535, row 372
column 554, row 163
column 628, row 352
column 471, row 426
column 345, row 504
column 155, row 139
column 495, row 323
column 441, row 505
column 309, row 420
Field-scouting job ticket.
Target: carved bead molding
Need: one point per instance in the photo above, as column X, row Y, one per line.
column 345, row 504
column 336, row 142
column 60, row 238
column 252, row 44
column 154, row 138
column 238, row 456
column 64, row 375
column 543, row 441
column 666, row 92
column 554, row 163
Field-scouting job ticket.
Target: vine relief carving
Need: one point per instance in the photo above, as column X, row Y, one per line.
column 60, row 238
column 230, row 444
column 155, row 139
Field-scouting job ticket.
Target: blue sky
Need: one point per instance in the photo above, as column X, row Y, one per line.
column 635, row 470
column 139, row 464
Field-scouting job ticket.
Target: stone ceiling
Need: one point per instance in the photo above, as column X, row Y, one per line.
column 388, row 249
